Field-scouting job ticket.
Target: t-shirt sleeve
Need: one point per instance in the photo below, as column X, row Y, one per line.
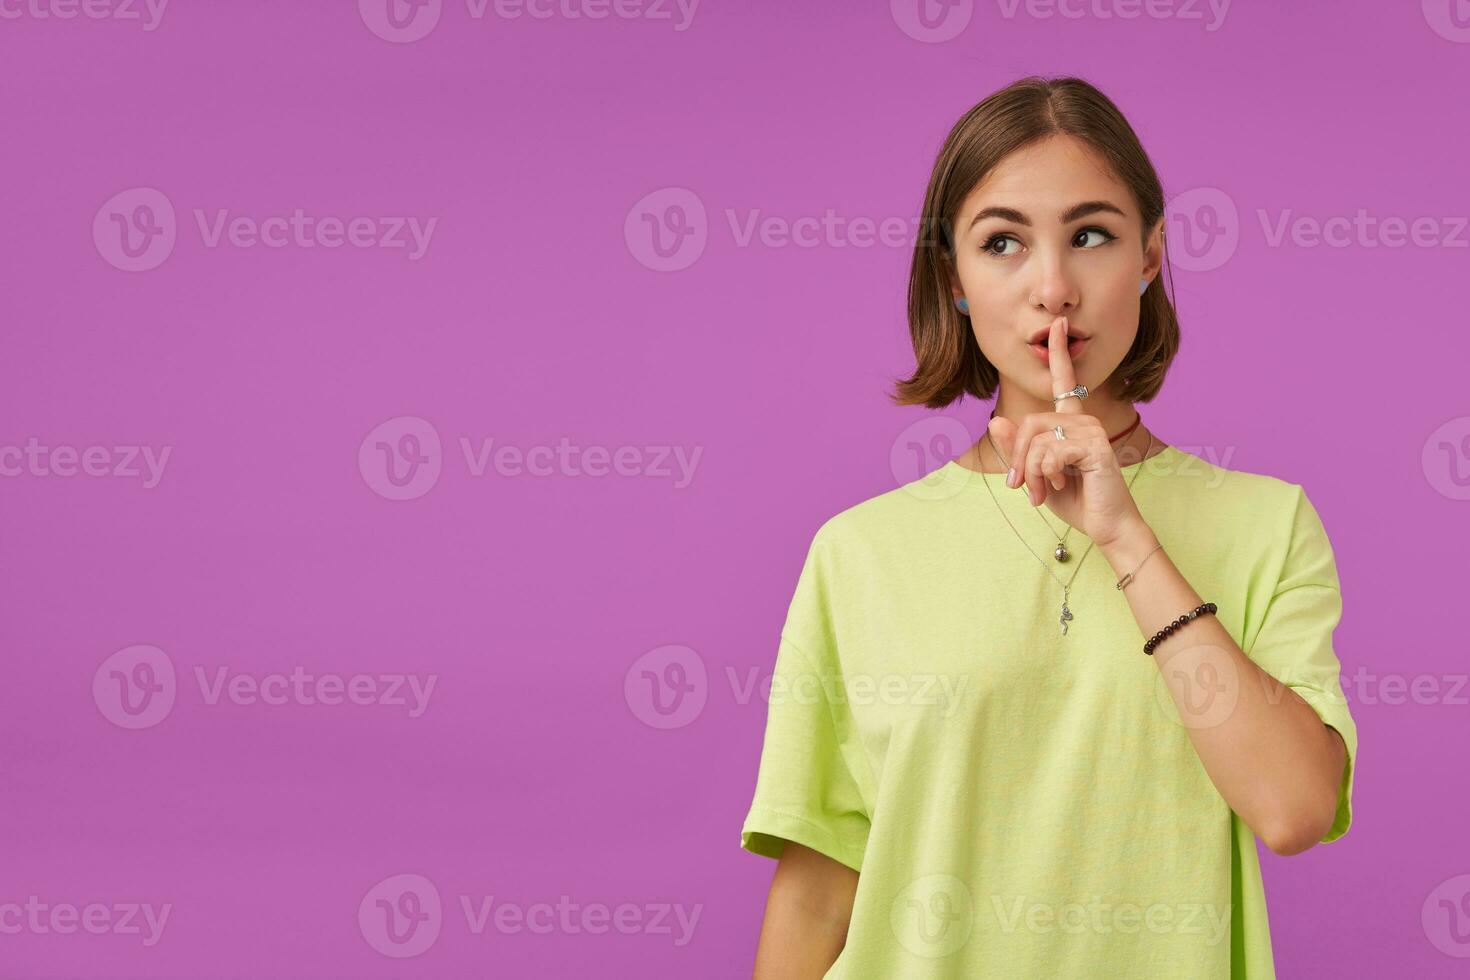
column 805, row 788
column 1294, row 641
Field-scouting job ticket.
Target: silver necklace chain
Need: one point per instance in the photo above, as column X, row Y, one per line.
column 1061, row 553
column 1067, row 585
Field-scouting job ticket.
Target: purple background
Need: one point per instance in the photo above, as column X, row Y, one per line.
column 538, row 314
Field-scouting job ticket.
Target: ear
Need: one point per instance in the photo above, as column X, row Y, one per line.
column 956, row 289
column 1153, row 250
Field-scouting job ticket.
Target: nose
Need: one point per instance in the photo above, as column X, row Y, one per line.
column 1055, row 290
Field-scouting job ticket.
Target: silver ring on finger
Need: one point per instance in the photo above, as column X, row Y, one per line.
column 1058, row 430
column 1079, row 393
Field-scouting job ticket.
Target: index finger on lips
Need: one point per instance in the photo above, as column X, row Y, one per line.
column 1063, row 376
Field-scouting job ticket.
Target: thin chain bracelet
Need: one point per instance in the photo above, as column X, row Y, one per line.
column 1157, row 638
column 1122, row 583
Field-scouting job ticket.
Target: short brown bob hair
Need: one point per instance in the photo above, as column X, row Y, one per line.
column 949, row 361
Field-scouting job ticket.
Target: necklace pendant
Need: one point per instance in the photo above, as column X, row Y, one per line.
column 1066, row 615
column 1062, row 554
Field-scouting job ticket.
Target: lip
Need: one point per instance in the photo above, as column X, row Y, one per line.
column 1040, row 336
column 1075, row 347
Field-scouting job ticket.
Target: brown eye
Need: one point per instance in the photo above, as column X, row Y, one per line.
column 989, row 246
column 1103, row 233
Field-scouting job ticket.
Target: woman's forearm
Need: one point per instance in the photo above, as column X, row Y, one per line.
column 806, row 918
column 1266, row 749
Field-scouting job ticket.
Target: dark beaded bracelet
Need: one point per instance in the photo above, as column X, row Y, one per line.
column 1158, row 637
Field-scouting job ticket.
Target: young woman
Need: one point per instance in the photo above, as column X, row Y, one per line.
column 1030, row 713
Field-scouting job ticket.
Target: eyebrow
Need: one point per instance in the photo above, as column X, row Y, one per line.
column 1073, row 213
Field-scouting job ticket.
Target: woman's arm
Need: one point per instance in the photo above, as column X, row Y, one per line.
column 807, row 912
column 1266, row 750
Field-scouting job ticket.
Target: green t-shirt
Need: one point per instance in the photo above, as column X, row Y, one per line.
column 1021, row 803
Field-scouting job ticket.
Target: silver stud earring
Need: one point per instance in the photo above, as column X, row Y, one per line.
column 964, row 305
column 1142, row 286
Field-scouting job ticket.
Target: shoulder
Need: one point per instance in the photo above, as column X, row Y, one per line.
column 1243, row 508
column 896, row 514
column 1260, row 494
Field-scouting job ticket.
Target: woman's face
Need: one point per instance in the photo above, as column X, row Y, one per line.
column 1053, row 251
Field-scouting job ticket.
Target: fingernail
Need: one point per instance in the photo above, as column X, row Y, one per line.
column 1011, row 477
